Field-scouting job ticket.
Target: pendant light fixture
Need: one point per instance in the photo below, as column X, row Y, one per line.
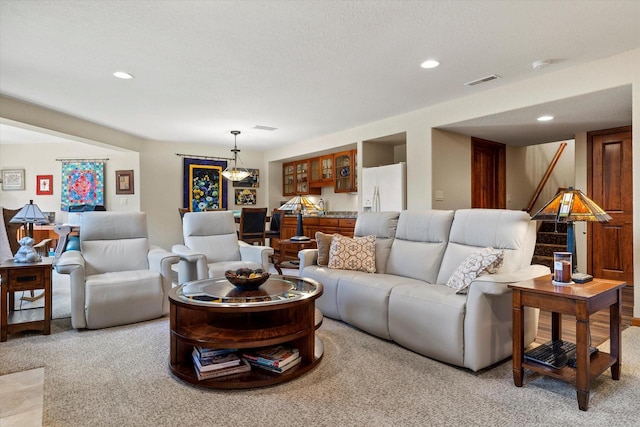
column 235, row 173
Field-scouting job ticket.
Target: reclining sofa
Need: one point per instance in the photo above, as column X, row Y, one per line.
column 407, row 300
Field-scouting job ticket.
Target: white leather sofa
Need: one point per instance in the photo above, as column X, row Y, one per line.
column 117, row 277
column 211, row 247
column 407, row 299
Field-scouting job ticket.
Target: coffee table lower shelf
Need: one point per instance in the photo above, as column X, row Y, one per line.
column 252, row 379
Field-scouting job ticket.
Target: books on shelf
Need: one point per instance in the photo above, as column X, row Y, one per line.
column 280, row 370
column 278, row 358
column 244, row 366
column 204, row 364
column 204, row 352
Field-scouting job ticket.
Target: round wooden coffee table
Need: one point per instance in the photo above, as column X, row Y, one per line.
column 213, row 313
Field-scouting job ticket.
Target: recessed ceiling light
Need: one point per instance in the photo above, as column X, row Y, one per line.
column 122, row 75
column 545, row 118
column 430, row 63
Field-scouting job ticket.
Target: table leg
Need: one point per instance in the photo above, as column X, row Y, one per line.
column 47, row 301
column 583, row 362
column 556, row 326
column 615, row 335
column 518, row 338
column 4, row 292
column 281, row 252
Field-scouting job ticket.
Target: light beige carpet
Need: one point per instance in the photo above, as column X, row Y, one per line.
column 119, row 376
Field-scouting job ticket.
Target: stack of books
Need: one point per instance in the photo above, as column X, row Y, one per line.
column 276, row 359
column 213, row 363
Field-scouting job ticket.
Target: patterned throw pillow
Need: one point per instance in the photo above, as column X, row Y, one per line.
column 488, row 260
column 357, row 254
column 323, row 241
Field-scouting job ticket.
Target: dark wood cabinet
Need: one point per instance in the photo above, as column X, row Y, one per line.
column 321, row 171
column 308, row 176
column 296, row 179
column 310, row 225
column 344, row 164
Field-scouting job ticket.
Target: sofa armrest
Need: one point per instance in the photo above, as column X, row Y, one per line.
column 307, row 257
column 257, row 254
column 161, row 261
column 496, row 284
column 72, row 263
column 192, row 265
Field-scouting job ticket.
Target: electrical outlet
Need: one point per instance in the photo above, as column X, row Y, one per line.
column 439, row 195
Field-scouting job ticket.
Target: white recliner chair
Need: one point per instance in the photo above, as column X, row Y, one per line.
column 211, row 247
column 117, row 277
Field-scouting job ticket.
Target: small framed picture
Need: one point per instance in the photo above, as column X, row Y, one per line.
column 13, row 179
column 124, row 182
column 246, row 197
column 44, row 184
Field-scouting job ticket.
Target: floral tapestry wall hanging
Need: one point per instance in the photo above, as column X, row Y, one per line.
column 204, row 188
column 82, row 184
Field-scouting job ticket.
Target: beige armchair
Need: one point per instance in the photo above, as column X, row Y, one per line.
column 117, row 277
column 211, row 247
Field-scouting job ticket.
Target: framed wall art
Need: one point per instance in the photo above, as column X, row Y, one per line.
column 252, row 181
column 82, row 184
column 124, row 182
column 203, row 186
column 44, row 184
column 13, row 179
column 248, row 196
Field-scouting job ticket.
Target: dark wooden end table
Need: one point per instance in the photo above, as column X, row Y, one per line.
column 579, row 300
column 15, row 277
column 282, row 247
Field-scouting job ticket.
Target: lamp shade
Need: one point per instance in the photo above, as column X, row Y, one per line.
column 299, row 204
column 30, row 214
column 234, row 173
column 569, row 206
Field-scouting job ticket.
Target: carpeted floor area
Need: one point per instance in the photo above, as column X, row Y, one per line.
column 120, row 376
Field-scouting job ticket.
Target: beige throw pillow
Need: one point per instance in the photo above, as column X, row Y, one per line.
column 323, row 241
column 488, row 260
column 357, row 254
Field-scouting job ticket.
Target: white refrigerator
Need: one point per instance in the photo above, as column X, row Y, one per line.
column 384, row 188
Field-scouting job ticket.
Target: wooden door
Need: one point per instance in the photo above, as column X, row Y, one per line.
column 488, row 176
column 610, row 245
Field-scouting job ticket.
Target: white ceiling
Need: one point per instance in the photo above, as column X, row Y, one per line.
column 308, row 68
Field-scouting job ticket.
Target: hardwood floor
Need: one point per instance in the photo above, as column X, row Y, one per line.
column 599, row 322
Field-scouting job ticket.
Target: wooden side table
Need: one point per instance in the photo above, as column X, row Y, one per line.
column 282, row 247
column 579, row 300
column 15, row 277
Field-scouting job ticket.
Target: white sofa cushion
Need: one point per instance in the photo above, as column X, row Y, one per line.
column 383, row 225
column 475, row 229
column 121, row 297
column 420, row 243
column 212, row 234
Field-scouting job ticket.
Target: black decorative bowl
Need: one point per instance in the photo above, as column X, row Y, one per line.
column 246, row 278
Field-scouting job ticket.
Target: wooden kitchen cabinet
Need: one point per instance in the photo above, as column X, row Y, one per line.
column 344, row 166
column 310, row 225
column 288, row 179
column 321, row 171
column 295, row 179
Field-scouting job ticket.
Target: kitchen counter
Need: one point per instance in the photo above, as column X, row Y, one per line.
column 337, row 214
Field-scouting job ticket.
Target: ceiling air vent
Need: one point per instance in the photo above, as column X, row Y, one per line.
column 260, row 127
column 482, row 80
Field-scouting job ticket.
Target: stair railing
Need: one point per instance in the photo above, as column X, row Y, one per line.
column 545, row 178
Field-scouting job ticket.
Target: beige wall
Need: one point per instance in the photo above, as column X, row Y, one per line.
column 40, row 159
column 451, row 174
column 527, row 165
column 598, row 75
